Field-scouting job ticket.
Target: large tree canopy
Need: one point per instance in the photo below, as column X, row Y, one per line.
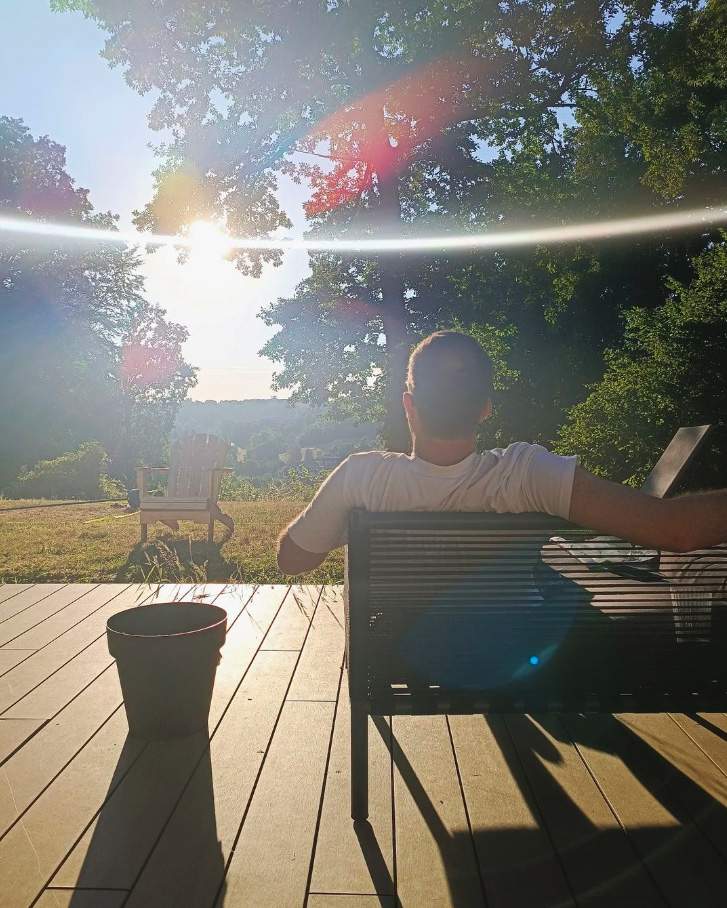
column 416, row 116
column 83, row 355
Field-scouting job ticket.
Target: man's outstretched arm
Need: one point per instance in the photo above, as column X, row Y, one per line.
column 292, row 559
column 674, row 524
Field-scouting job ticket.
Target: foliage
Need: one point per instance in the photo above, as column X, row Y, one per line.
column 83, row 354
column 412, row 118
column 76, row 474
column 299, row 484
column 670, row 371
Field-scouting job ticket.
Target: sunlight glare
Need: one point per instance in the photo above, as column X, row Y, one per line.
column 208, row 242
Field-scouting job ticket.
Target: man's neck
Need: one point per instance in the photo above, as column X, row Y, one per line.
column 443, row 453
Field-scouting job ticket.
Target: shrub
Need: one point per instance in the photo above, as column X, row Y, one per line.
column 76, row 474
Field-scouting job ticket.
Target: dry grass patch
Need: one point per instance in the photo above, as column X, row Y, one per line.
column 88, row 543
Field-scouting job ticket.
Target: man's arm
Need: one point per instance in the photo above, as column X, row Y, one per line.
column 292, row 559
column 674, row 524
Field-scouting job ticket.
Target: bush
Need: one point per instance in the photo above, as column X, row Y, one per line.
column 300, row 484
column 77, row 474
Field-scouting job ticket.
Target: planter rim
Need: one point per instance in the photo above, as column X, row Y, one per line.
column 198, row 630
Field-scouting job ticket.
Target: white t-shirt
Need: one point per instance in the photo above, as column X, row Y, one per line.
column 519, row 478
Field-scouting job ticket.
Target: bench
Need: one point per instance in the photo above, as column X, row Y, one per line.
column 482, row 613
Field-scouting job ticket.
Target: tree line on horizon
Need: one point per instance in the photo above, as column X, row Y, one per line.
column 412, row 117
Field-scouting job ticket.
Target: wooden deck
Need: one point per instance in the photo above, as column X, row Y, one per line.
column 504, row 811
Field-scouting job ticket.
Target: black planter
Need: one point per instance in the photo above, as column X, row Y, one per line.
column 167, row 655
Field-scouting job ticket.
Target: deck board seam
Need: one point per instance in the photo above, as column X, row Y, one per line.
column 207, row 748
column 475, row 855
column 326, row 767
column 37, row 601
column 58, row 636
column 541, row 814
column 629, row 838
column 111, row 791
column 67, row 662
column 697, row 744
column 259, row 773
column 65, row 766
column 52, row 614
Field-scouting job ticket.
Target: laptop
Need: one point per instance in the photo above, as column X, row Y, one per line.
column 607, row 553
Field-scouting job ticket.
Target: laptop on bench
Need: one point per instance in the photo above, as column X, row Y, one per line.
column 611, row 554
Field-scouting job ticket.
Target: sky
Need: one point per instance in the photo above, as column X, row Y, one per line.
column 52, row 77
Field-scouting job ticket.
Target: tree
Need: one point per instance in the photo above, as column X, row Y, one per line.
column 410, row 116
column 670, row 371
column 70, row 313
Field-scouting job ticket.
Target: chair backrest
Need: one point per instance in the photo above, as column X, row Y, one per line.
column 192, row 458
column 472, row 612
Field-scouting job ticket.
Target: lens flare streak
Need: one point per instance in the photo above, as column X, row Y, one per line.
column 495, row 239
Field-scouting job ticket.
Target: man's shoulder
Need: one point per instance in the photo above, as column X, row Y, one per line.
column 363, row 460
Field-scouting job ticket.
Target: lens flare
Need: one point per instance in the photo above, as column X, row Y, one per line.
column 700, row 218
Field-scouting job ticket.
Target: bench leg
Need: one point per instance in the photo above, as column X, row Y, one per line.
column 359, row 762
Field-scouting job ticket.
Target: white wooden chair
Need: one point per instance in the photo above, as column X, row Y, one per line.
column 196, row 466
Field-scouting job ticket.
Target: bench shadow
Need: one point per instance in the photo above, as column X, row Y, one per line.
column 566, row 858
column 176, row 559
column 157, row 831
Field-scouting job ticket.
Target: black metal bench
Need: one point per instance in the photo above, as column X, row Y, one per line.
column 481, row 613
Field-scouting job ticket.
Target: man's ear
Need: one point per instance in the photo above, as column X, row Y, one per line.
column 486, row 411
column 407, row 399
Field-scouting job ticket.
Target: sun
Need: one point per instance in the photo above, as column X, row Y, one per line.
column 208, row 241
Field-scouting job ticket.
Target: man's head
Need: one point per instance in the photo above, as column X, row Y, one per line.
column 449, row 386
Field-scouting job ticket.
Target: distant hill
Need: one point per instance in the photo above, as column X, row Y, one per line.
column 274, row 435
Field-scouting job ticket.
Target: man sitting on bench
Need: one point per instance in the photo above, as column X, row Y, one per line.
column 449, row 387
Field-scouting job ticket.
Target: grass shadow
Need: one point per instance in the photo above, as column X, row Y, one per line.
column 178, row 560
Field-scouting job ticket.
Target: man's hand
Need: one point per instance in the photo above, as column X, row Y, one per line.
column 292, row 559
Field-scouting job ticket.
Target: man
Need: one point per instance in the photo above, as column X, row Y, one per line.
column 448, row 395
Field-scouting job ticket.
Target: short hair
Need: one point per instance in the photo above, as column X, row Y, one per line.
column 450, row 379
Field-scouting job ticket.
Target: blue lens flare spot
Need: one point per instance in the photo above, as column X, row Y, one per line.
column 533, row 660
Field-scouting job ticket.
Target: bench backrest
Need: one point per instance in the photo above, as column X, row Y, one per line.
column 470, row 612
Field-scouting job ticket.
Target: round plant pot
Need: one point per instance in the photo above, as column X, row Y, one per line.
column 167, row 655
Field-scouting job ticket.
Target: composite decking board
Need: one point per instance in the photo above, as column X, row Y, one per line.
column 13, row 628
column 599, row 860
column 13, row 733
column 637, row 783
column 518, row 864
column 434, row 850
column 42, row 685
column 699, row 786
column 83, row 607
column 33, row 849
column 9, row 658
column 79, row 898
column 271, row 859
column 291, row 626
column 29, row 771
column 318, row 672
column 338, row 900
column 709, row 732
column 347, row 859
column 29, row 598
column 187, row 865
column 112, row 851
column 8, row 590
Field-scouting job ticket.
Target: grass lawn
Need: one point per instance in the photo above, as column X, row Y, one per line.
column 87, row 543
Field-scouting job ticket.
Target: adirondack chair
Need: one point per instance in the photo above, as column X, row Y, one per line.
column 488, row 613
column 196, row 467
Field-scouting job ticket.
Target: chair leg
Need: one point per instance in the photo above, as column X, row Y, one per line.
column 211, row 531
column 359, row 762
column 144, row 532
